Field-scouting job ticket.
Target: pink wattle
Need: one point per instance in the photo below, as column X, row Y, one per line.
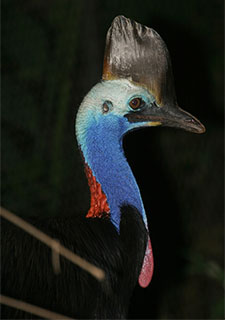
column 145, row 276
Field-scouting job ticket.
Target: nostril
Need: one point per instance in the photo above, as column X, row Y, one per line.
column 191, row 120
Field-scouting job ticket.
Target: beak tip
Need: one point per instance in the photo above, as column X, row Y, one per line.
column 202, row 129
column 198, row 127
column 192, row 124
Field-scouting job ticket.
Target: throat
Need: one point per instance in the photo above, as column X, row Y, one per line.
column 111, row 181
column 112, row 185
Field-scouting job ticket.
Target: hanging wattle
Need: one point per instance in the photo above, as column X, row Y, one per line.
column 147, row 269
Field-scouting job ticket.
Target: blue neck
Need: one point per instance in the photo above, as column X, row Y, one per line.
column 104, row 154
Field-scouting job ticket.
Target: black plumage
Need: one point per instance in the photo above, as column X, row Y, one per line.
column 27, row 271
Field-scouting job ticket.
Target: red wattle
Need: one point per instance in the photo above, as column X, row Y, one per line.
column 145, row 276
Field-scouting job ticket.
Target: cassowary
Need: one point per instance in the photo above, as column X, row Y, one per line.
column 136, row 91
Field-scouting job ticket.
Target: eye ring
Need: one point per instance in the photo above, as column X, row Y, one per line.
column 136, row 103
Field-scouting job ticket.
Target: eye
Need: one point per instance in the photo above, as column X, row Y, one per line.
column 136, row 103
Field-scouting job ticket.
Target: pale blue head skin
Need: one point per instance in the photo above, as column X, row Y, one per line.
column 99, row 136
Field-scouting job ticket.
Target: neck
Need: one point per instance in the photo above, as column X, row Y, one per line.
column 110, row 178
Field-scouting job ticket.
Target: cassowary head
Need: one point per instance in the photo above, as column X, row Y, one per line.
column 137, row 88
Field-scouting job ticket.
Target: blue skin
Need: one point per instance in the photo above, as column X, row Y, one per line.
column 100, row 136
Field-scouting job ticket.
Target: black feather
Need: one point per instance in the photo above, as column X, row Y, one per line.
column 27, row 271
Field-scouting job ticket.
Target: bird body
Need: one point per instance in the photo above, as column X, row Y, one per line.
column 28, row 274
column 113, row 234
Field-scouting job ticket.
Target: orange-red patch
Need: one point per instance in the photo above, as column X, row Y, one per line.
column 99, row 203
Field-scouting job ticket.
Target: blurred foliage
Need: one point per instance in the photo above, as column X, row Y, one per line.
column 51, row 56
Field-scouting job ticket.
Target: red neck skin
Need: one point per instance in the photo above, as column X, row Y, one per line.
column 99, row 205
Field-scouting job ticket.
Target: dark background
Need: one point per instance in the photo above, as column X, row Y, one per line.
column 52, row 54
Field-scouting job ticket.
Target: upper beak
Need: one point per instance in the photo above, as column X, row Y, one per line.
column 167, row 116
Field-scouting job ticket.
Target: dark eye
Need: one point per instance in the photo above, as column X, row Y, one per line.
column 136, row 103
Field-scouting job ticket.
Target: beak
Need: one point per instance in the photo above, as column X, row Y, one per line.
column 153, row 115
